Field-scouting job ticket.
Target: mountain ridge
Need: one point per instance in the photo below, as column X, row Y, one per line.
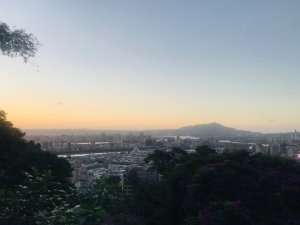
column 207, row 130
column 214, row 130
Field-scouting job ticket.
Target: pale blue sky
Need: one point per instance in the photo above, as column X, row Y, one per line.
column 154, row 64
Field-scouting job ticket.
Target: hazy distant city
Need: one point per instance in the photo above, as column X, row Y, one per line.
column 93, row 153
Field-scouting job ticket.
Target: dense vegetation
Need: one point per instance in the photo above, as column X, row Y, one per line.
column 203, row 188
column 228, row 188
column 19, row 156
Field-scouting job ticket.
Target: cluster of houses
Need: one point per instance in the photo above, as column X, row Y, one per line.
column 88, row 168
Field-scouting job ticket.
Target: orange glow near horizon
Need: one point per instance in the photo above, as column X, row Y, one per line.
column 62, row 119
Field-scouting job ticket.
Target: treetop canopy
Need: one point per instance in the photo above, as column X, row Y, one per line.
column 16, row 42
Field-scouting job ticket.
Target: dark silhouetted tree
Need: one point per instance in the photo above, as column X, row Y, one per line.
column 16, row 42
column 234, row 187
column 18, row 155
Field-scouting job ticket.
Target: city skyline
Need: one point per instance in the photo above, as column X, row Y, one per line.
column 155, row 65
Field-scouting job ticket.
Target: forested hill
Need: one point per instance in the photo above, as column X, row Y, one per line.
column 213, row 130
column 210, row 130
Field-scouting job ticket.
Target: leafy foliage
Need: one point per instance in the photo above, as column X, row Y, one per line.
column 42, row 200
column 16, row 42
column 228, row 188
column 163, row 162
column 39, row 200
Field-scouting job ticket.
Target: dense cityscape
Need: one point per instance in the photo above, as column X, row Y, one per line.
column 114, row 154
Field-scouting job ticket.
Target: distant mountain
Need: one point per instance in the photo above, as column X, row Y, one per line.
column 213, row 130
column 210, row 130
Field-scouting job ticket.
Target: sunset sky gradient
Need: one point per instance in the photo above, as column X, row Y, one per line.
column 141, row 64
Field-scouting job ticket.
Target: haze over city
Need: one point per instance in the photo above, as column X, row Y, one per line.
column 155, row 64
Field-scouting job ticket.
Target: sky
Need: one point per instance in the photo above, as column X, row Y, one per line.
column 153, row 64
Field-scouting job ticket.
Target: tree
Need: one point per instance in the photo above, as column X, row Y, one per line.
column 39, row 200
column 16, row 42
column 234, row 187
column 164, row 162
column 18, row 155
